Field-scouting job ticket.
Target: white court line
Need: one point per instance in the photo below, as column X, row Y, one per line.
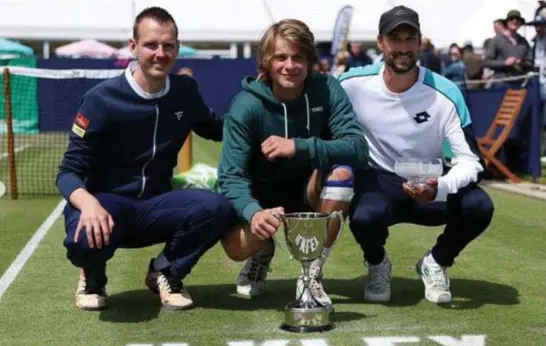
column 16, row 150
column 9, row 276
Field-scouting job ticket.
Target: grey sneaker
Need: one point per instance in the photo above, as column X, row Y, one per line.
column 251, row 279
column 435, row 278
column 378, row 286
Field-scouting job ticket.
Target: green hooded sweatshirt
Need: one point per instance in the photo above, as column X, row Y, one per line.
column 321, row 122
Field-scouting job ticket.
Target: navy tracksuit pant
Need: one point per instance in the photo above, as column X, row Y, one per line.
column 380, row 202
column 188, row 222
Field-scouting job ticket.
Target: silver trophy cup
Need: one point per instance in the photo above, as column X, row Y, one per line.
column 305, row 235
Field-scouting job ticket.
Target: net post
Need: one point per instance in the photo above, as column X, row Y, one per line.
column 9, row 134
column 185, row 155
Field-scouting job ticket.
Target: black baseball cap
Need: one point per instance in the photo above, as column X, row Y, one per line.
column 397, row 16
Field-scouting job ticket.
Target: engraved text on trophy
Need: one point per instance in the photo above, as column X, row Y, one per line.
column 306, row 245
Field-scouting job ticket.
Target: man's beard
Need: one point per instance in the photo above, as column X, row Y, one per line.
column 389, row 61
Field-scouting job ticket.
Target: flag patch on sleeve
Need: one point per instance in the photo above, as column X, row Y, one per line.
column 82, row 121
column 78, row 130
column 80, row 125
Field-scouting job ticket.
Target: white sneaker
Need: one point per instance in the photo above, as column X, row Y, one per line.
column 378, row 286
column 251, row 279
column 315, row 287
column 435, row 278
column 171, row 290
column 91, row 292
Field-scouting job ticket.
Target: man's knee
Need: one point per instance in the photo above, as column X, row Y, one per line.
column 370, row 213
column 80, row 254
column 239, row 244
column 220, row 211
column 234, row 250
column 339, row 184
column 476, row 206
column 341, row 173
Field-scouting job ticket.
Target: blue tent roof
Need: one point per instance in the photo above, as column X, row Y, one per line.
column 186, row 51
column 12, row 47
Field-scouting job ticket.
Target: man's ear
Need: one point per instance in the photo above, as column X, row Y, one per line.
column 132, row 46
column 380, row 43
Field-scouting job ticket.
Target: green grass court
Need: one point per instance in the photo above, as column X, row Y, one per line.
column 499, row 285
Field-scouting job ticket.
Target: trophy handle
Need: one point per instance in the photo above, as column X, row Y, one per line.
column 283, row 222
column 339, row 215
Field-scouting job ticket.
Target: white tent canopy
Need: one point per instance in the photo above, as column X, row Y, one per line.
column 444, row 21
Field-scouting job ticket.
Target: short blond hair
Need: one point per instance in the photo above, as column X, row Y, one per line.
column 292, row 30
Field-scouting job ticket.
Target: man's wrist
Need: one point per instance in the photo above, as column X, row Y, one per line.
column 250, row 210
column 301, row 147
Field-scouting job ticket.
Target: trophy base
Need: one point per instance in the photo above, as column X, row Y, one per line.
column 306, row 329
column 307, row 320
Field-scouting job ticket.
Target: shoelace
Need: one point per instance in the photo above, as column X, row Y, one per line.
column 439, row 278
column 169, row 284
column 257, row 271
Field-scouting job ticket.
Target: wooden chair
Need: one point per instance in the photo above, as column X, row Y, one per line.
column 500, row 129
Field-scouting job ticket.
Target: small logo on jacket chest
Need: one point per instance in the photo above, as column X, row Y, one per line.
column 421, row 117
column 179, row 114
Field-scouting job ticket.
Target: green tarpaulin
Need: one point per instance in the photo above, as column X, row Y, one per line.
column 24, row 98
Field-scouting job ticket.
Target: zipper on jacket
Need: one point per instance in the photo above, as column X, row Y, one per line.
column 154, row 147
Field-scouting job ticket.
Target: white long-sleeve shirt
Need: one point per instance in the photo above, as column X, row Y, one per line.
column 415, row 123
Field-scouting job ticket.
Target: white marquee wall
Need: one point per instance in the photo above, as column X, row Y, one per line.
column 244, row 20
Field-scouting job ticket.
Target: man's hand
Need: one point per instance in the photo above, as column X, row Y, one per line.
column 265, row 223
column 276, row 146
column 98, row 225
column 422, row 192
column 512, row 60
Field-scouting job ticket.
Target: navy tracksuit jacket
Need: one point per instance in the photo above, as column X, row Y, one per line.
column 123, row 148
column 130, row 144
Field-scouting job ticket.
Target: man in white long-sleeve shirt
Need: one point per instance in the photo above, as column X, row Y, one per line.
column 407, row 111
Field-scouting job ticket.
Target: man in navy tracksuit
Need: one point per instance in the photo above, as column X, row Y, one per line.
column 116, row 173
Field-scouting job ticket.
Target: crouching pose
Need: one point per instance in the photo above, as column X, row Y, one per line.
column 290, row 142
column 407, row 112
column 116, row 173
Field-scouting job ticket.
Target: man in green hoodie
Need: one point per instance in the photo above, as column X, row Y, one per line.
column 290, row 142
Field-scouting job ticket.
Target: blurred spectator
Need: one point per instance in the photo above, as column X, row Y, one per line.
column 486, row 43
column 428, row 57
column 473, row 66
column 509, row 54
column 539, row 46
column 186, row 71
column 357, row 56
column 340, row 63
column 539, row 56
column 456, row 71
column 324, row 65
column 446, row 57
column 499, row 27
